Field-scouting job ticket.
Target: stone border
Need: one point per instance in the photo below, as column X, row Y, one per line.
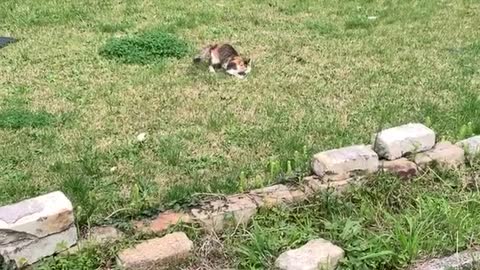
column 457, row 261
column 334, row 168
column 402, row 150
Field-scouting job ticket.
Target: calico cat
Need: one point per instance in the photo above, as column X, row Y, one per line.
column 224, row 56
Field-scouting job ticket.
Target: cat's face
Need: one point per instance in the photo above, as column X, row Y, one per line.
column 239, row 66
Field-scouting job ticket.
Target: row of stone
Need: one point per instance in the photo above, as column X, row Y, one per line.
column 47, row 222
column 389, row 146
column 333, row 168
column 386, row 153
column 234, row 210
column 35, row 228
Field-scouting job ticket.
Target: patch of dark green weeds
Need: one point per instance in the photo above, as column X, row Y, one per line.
column 145, row 48
column 16, row 118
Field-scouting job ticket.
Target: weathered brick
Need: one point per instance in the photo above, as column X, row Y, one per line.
column 444, row 153
column 272, row 195
column 157, row 253
column 316, row 254
column 467, row 259
column 103, row 234
column 396, row 142
column 217, row 214
column 36, row 228
column 312, row 185
column 343, row 163
column 166, row 219
column 297, row 194
column 27, row 250
column 402, row 167
column 471, row 145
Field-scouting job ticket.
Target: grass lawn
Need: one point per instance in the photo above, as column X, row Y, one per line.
column 326, row 74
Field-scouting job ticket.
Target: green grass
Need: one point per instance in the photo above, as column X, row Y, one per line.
column 325, row 75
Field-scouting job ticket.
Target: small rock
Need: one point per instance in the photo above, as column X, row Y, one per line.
column 444, row 153
column 343, row 163
column 35, row 228
column 298, row 195
column 38, row 216
column 25, row 253
column 104, row 234
column 272, row 195
column 471, row 145
column 402, row 167
column 215, row 215
column 462, row 260
column 167, row 219
column 372, row 17
column 141, row 225
column 313, row 184
column 113, row 169
column 394, row 143
column 316, row 254
column 157, row 253
column 142, row 137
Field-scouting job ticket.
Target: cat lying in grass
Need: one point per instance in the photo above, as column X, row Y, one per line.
column 224, row 56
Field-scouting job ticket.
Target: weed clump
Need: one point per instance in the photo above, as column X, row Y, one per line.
column 145, row 48
column 20, row 118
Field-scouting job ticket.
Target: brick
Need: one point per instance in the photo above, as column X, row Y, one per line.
column 167, row 219
column 467, row 259
column 343, row 163
column 471, row 145
column 157, row 253
column 104, row 234
column 272, row 195
column 39, row 216
column 312, row 185
column 141, row 225
column 217, row 214
column 35, row 228
column 396, row 142
column 297, row 194
column 444, row 153
column 402, row 167
column 314, row 255
column 25, row 252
